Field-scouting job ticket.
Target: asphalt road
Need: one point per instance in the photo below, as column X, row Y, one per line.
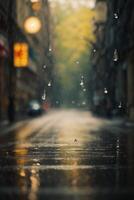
column 68, row 155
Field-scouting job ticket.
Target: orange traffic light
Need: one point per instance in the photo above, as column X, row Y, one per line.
column 21, row 55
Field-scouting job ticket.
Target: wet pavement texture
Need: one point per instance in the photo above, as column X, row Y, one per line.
column 67, row 155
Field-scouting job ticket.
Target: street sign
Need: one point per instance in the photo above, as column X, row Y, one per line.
column 21, row 54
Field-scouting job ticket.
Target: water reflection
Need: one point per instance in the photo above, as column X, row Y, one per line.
column 35, row 183
column 28, row 179
column 76, row 159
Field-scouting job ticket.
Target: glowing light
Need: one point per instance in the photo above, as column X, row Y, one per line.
column 32, row 25
column 20, row 55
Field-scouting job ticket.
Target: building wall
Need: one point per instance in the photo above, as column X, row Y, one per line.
column 39, row 45
column 114, row 56
column 4, row 58
column 130, row 74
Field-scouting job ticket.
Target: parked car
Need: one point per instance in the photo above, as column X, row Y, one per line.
column 34, row 108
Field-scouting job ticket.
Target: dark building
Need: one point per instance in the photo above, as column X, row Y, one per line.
column 4, row 57
column 113, row 63
column 19, row 85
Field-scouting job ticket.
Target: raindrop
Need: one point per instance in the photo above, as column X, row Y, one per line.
column 116, row 16
column 57, row 102
column 49, row 84
column 44, row 67
column 105, row 91
column 120, row 105
column 94, row 50
column 77, row 62
column 81, row 83
column 118, row 144
column 50, row 49
column 44, row 96
column 115, row 55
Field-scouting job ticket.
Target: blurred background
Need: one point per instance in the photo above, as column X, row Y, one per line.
column 66, row 99
column 66, row 54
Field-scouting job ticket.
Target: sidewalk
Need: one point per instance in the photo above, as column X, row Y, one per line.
column 6, row 126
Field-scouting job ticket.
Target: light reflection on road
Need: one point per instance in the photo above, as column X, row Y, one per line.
column 66, row 153
column 65, row 131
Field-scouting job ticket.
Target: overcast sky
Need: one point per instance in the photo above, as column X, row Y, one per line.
column 77, row 3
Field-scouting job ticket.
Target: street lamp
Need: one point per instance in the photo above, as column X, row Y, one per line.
column 32, row 25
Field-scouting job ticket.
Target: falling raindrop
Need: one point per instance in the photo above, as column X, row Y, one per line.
column 118, row 144
column 84, row 90
column 44, row 96
column 49, row 84
column 94, row 50
column 115, row 55
column 44, row 67
column 50, row 49
column 116, row 16
column 73, row 102
column 77, row 62
column 120, row 105
column 105, row 91
column 81, row 83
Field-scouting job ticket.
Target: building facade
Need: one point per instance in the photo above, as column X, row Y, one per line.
column 5, row 56
column 113, row 62
column 40, row 52
column 19, row 85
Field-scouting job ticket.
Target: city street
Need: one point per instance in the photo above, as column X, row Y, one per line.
column 69, row 155
column 66, row 99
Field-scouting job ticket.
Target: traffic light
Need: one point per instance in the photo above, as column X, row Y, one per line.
column 21, row 54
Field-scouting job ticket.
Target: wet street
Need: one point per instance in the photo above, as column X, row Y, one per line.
column 68, row 155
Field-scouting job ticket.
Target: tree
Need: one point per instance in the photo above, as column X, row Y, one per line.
column 73, row 30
